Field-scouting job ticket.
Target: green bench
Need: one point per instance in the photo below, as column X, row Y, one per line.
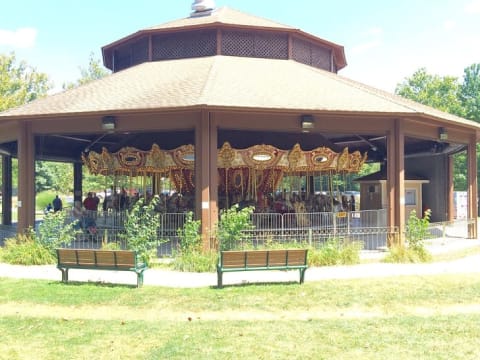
column 118, row 260
column 255, row 260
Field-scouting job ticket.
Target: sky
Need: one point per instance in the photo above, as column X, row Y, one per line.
column 385, row 41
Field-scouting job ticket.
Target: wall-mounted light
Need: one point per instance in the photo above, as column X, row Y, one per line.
column 108, row 123
column 442, row 133
column 307, row 122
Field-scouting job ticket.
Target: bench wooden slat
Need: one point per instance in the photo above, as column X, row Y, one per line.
column 126, row 260
column 297, row 257
column 278, row 258
column 105, row 258
column 234, row 259
column 67, row 257
column 123, row 260
column 256, row 258
column 251, row 260
column 85, row 257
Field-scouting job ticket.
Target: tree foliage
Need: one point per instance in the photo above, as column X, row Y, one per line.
column 53, row 176
column 94, row 71
column 439, row 92
column 470, row 92
column 450, row 95
column 20, row 83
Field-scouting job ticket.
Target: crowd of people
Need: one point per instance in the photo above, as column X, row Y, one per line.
column 86, row 211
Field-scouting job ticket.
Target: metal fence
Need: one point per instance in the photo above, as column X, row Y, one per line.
column 368, row 227
column 450, row 229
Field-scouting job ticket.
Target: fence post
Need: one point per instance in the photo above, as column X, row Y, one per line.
column 310, row 237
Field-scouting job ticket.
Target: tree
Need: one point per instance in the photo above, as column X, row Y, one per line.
column 470, row 92
column 449, row 95
column 94, row 71
column 20, row 83
column 53, row 176
column 441, row 93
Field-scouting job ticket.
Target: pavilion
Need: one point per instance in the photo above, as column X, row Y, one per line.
column 220, row 75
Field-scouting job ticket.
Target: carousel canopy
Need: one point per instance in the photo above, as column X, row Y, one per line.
column 132, row 161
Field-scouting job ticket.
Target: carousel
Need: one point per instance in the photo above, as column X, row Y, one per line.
column 263, row 176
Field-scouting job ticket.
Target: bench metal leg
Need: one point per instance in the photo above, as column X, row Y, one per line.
column 219, row 279
column 302, row 275
column 64, row 274
column 139, row 279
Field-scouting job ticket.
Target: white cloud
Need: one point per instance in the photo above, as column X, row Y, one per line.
column 449, row 24
column 373, row 39
column 473, row 7
column 20, row 38
column 363, row 47
column 374, row 31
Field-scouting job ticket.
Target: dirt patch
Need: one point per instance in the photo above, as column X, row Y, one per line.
column 138, row 314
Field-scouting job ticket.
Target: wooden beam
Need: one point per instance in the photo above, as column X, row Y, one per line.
column 202, row 177
column 26, row 177
column 472, row 192
column 396, row 180
column 6, row 190
column 450, row 188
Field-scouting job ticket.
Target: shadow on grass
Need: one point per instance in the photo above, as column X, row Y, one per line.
column 96, row 283
column 262, row 283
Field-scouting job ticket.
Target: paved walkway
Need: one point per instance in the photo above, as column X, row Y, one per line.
column 168, row 278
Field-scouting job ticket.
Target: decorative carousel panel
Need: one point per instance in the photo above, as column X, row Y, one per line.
column 321, row 159
column 343, row 162
column 184, row 156
column 261, row 156
column 156, row 158
column 226, row 156
column 131, row 158
column 357, row 161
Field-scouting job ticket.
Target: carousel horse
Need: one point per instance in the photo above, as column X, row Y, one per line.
column 300, row 214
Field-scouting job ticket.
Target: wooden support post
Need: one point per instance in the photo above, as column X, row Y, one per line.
column 396, row 181
column 472, row 193
column 6, row 190
column 26, row 177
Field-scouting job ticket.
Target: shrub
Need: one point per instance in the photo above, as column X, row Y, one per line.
column 189, row 234
column 196, row 261
column 190, row 256
column 233, row 224
column 111, row 246
column 350, row 252
column 416, row 230
column 141, row 228
column 415, row 233
column 335, row 252
column 404, row 254
column 55, row 231
column 24, row 250
column 38, row 249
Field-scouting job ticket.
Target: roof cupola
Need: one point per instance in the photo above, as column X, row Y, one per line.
column 202, row 7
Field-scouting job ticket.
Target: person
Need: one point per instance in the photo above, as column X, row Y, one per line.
column 48, row 208
column 89, row 203
column 77, row 215
column 57, row 204
column 96, row 199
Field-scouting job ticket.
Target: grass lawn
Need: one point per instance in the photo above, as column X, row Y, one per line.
column 418, row 317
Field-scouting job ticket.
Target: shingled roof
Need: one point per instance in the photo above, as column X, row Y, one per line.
column 223, row 15
column 226, row 82
column 228, row 18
